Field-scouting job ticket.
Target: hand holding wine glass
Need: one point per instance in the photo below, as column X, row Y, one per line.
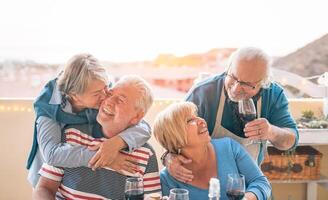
column 235, row 189
column 247, row 111
column 134, row 189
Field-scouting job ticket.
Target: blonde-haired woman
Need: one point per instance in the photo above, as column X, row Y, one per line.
column 179, row 130
column 73, row 98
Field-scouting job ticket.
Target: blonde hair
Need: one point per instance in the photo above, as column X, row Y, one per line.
column 145, row 97
column 170, row 125
column 252, row 53
column 78, row 72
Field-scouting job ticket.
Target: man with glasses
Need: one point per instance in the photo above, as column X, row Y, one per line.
column 248, row 76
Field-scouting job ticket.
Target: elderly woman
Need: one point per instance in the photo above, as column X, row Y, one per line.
column 180, row 131
column 73, row 98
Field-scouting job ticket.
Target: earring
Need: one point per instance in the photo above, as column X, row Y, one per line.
column 179, row 151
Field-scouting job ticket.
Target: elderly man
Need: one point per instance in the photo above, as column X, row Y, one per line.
column 248, row 76
column 125, row 106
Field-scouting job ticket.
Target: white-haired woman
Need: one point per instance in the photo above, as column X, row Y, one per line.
column 179, row 130
column 73, row 98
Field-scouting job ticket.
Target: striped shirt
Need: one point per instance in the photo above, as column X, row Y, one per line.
column 104, row 183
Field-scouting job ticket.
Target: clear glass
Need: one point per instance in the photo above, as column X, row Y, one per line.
column 134, row 189
column 247, row 111
column 179, row 194
column 235, row 188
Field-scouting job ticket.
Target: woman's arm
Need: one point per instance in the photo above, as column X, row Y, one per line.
column 54, row 151
column 132, row 137
column 256, row 183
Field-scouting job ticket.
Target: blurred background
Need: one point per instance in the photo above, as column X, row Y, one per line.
column 170, row 43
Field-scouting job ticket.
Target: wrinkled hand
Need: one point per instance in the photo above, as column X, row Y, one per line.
column 258, row 129
column 106, row 154
column 124, row 162
column 176, row 169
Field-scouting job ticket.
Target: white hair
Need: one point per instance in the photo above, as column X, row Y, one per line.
column 253, row 53
column 79, row 71
column 145, row 97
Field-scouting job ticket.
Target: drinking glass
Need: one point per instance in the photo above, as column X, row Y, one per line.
column 247, row 112
column 179, row 194
column 235, row 188
column 134, row 189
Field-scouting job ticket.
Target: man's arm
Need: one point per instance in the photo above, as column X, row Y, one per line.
column 151, row 178
column 46, row 189
column 54, row 151
column 282, row 138
column 261, row 129
column 279, row 127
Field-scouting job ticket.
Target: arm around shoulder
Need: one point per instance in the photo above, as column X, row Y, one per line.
column 137, row 135
column 54, row 151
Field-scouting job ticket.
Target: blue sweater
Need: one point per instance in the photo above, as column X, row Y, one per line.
column 231, row 157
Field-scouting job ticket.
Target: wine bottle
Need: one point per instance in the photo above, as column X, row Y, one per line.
column 214, row 189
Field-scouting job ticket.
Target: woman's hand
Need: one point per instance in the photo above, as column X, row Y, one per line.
column 124, row 162
column 107, row 152
column 174, row 164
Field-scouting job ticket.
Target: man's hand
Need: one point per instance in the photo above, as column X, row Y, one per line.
column 124, row 162
column 107, row 152
column 176, row 169
column 259, row 129
column 250, row 196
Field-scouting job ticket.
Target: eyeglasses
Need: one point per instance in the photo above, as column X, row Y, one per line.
column 244, row 85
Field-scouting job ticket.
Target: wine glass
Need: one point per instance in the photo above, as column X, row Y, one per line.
column 235, row 189
column 134, row 189
column 179, row 194
column 247, row 113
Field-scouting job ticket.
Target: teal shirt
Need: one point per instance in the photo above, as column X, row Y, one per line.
column 206, row 96
column 231, row 157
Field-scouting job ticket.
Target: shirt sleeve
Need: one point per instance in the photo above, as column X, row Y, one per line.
column 137, row 135
column 51, row 172
column 255, row 181
column 56, row 153
column 280, row 115
column 151, row 177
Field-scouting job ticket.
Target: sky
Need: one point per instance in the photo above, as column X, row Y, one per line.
column 52, row 31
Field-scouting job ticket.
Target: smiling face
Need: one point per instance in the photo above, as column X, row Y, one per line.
column 197, row 132
column 244, row 78
column 93, row 95
column 118, row 111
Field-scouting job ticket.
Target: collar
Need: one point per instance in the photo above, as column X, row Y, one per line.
column 58, row 99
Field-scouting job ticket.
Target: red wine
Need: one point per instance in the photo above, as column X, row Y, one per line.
column 248, row 117
column 235, row 195
column 134, row 195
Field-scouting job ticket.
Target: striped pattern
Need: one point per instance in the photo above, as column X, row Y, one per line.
column 50, row 172
column 105, row 183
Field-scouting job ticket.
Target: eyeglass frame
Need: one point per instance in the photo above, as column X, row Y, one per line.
column 242, row 83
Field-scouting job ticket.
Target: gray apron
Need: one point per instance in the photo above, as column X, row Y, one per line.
column 219, row 131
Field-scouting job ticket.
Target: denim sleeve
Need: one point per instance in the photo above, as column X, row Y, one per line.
column 137, row 135
column 255, row 181
column 56, row 153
